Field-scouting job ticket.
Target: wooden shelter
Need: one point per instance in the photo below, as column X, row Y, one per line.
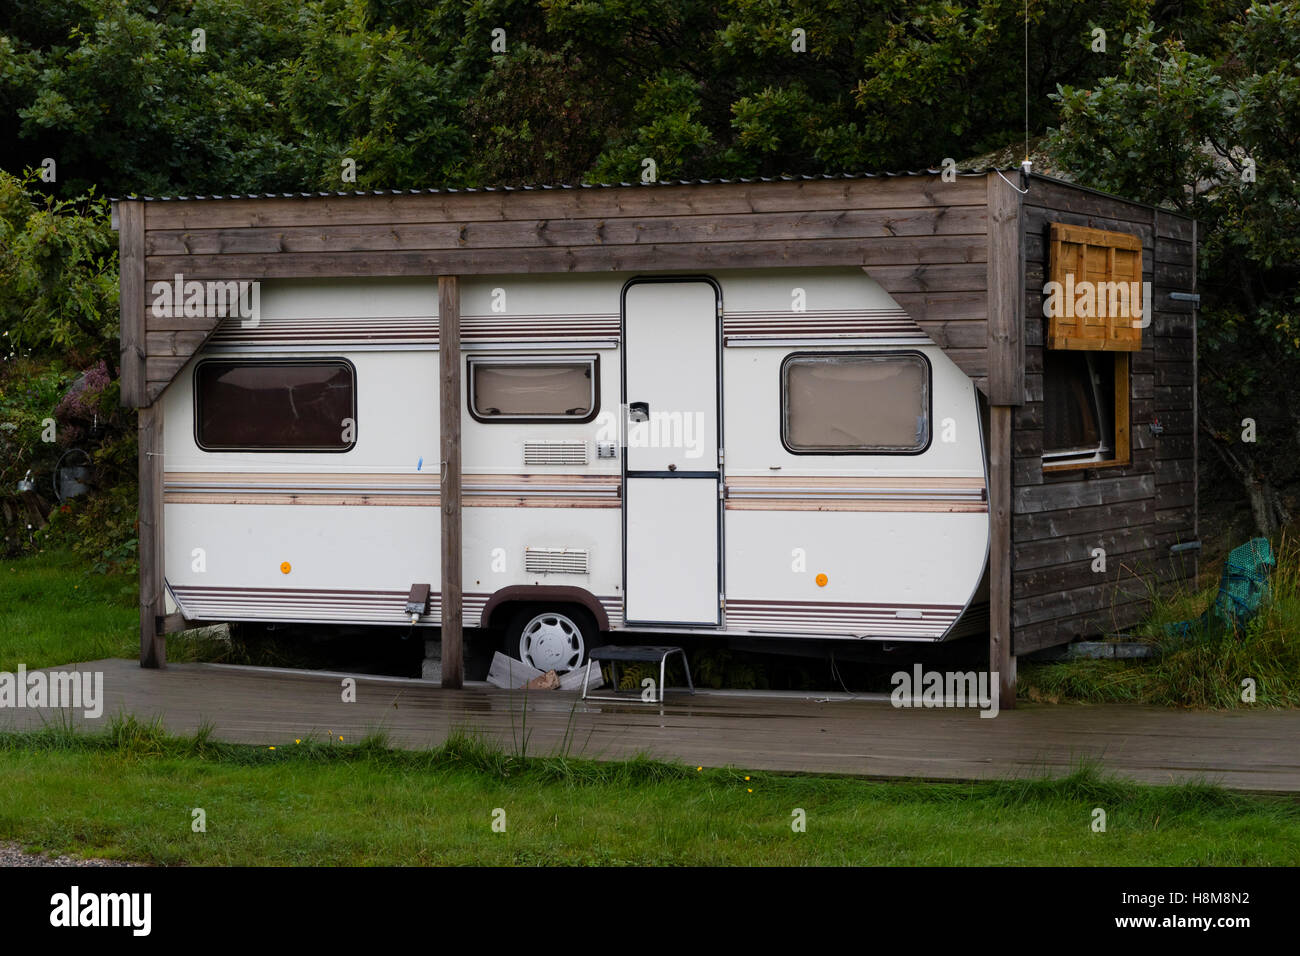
column 967, row 257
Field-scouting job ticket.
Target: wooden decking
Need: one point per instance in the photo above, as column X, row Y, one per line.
column 1253, row 750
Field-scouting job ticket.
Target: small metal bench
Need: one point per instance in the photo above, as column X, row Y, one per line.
column 632, row 652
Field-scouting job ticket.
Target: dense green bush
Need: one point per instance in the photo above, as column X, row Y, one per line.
column 29, row 392
column 58, row 378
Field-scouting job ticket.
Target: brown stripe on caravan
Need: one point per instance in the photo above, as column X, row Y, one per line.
column 297, row 488
column 895, row 493
column 910, row 506
column 943, row 483
column 569, row 326
column 827, row 323
column 542, row 491
column 390, row 489
column 537, row 501
column 375, row 330
column 200, row 603
column 385, row 500
column 245, row 479
column 399, row 330
column 414, row 329
column 913, row 620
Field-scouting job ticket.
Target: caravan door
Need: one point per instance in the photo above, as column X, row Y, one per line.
column 671, row 475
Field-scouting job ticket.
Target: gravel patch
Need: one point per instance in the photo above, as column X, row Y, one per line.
column 12, row 854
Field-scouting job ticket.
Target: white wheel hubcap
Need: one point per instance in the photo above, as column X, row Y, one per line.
column 551, row 642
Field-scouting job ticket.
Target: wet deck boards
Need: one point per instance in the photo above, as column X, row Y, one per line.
column 1253, row 750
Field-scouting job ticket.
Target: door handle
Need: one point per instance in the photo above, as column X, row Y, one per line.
column 638, row 412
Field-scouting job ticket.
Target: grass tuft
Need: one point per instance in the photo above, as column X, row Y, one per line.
column 1208, row 670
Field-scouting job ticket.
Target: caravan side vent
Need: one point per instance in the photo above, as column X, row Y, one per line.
column 555, row 560
column 555, row 453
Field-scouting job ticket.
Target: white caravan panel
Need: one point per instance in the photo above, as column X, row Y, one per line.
column 672, row 550
column 867, row 574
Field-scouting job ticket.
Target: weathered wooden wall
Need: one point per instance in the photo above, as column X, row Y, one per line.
column 1134, row 513
column 924, row 240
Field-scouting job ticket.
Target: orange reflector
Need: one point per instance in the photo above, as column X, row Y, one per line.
column 821, row 580
column 285, row 568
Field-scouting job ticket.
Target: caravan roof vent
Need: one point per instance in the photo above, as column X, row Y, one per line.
column 555, row 560
column 555, row 453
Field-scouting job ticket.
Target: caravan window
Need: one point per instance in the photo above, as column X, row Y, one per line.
column 275, row 406
column 533, row 389
column 856, row 403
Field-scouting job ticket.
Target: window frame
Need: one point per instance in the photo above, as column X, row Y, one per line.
column 857, row 353
column 278, row 449
column 592, row 361
column 1121, row 430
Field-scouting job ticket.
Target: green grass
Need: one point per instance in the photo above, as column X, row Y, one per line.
column 1204, row 672
column 54, row 612
column 129, row 794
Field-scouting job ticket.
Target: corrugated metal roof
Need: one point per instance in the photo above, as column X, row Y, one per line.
column 540, row 188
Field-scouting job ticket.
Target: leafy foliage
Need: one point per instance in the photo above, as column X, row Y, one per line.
column 1216, row 137
column 58, row 272
column 419, row 95
column 58, row 312
column 29, row 391
column 209, row 97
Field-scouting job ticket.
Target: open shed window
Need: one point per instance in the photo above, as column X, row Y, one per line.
column 533, row 389
column 275, row 406
column 856, row 403
column 1094, row 306
column 1080, row 400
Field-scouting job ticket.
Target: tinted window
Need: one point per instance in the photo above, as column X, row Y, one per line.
column 559, row 390
column 275, row 406
column 856, row 402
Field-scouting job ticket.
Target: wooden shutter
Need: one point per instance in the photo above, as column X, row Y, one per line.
column 1111, row 262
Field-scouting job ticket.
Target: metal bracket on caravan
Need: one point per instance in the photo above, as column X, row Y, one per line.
column 417, row 601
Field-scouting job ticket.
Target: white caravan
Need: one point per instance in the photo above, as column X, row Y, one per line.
column 754, row 454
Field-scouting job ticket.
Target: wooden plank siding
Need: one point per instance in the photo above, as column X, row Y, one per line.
column 1134, row 512
column 924, row 240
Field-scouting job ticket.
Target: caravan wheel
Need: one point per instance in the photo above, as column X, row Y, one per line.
column 550, row 639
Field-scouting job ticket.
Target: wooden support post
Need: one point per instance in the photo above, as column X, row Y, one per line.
column 1006, row 295
column 1001, row 659
column 449, row 487
column 131, row 329
column 1006, row 384
column 153, row 601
